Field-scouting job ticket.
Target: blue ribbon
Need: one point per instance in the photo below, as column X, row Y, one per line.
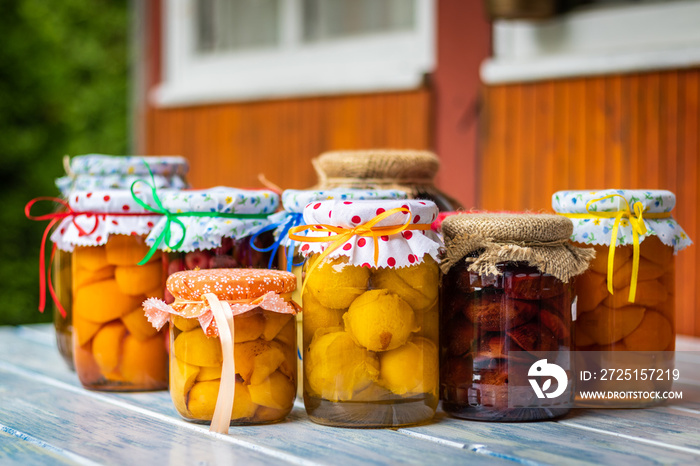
column 292, row 219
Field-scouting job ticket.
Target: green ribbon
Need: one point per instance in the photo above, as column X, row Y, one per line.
column 172, row 217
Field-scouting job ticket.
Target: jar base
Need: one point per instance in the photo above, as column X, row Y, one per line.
column 484, row 413
column 123, row 387
column 364, row 414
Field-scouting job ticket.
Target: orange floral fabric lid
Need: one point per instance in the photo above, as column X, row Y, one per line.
column 244, row 290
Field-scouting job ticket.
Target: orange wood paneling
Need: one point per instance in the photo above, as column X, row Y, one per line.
column 628, row 131
column 231, row 144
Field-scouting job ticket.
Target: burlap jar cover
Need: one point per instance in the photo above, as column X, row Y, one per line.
column 540, row 240
column 412, row 171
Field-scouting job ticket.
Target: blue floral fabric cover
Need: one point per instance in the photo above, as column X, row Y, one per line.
column 206, row 232
column 94, row 171
column 599, row 230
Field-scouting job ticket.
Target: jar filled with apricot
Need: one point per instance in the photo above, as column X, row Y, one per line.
column 97, row 172
column 258, row 372
column 111, row 336
column 371, row 305
column 626, row 300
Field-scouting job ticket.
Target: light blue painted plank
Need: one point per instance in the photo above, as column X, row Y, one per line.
column 298, row 436
column 21, row 449
column 552, row 442
column 104, row 433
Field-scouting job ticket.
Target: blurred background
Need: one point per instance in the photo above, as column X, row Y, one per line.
column 64, row 89
column 519, row 98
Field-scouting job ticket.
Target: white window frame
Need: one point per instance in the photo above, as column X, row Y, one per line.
column 596, row 40
column 371, row 63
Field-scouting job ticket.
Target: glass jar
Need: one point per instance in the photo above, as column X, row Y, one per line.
column 370, row 335
column 114, row 345
column 410, row 171
column 492, row 329
column 264, row 344
column 105, row 237
column 506, row 312
column 97, row 172
column 614, row 327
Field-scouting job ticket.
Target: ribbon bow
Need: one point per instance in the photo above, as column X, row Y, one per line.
column 54, row 218
column 291, row 220
column 165, row 236
column 337, row 236
column 636, row 219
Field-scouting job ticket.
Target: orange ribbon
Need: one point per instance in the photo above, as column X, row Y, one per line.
column 339, row 235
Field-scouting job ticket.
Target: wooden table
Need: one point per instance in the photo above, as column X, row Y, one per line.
column 47, row 418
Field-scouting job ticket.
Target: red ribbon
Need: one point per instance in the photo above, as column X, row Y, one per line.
column 54, row 218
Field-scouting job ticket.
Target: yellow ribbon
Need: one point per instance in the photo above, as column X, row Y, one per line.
column 636, row 220
column 367, row 229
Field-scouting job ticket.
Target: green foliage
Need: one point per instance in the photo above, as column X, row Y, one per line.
column 63, row 90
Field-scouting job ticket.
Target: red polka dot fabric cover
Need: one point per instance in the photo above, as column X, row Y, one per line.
column 398, row 250
column 87, row 229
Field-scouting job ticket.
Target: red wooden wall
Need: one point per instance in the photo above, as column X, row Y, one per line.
column 631, row 131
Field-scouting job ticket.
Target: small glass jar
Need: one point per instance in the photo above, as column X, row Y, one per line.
column 97, row 172
column 370, row 333
column 114, row 345
column 642, row 326
column 492, row 329
column 264, row 344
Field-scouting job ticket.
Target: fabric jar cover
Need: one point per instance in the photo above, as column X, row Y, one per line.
column 95, row 171
column 597, row 230
column 206, row 232
column 398, row 250
column 294, row 201
column 92, row 224
column 485, row 240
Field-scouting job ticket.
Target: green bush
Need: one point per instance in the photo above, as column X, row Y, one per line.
column 63, row 90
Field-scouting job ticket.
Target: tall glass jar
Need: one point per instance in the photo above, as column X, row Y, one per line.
column 371, row 328
column 96, row 172
column 615, row 312
column 262, row 365
column 410, row 171
column 110, row 333
column 506, row 306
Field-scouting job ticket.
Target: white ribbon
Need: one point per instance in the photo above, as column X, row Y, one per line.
column 223, row 316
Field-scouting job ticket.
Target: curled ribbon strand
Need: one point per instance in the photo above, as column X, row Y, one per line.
column 292, row 219
column 165, row 236
column 636, row 217
column 337, row 236
column 54, row 218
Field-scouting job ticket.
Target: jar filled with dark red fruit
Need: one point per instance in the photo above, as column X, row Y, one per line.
column 212, row 228
column 506, row 312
